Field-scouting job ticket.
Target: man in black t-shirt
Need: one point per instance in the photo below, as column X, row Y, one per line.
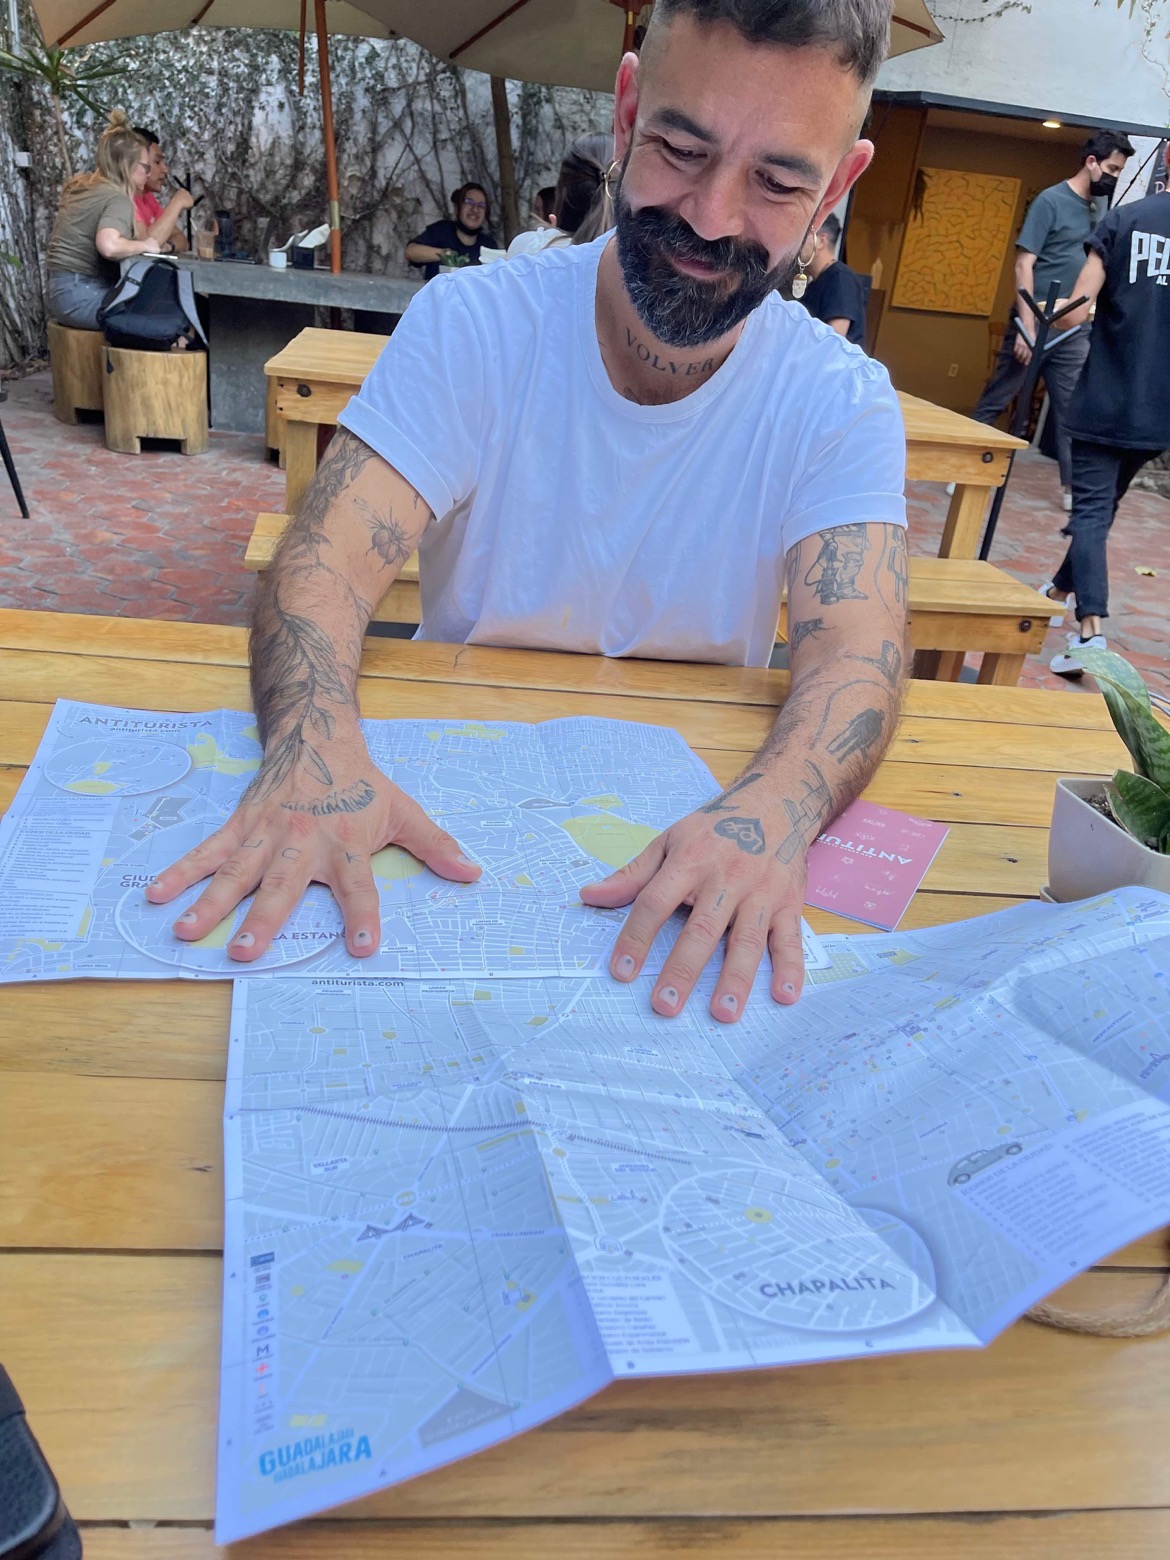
column 1119, row 415
column 455, row 242
column 836, row 294
column 1050, row 249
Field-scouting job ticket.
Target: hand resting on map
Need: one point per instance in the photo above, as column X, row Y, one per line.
column 286, row 834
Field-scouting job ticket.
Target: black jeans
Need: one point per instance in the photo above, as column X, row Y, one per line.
column 1062, row 369
column 1100, row 475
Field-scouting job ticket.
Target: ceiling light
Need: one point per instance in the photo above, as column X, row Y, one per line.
column 1052, row 124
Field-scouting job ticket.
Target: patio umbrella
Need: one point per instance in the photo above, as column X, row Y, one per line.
column 565, row 43
column 68, row 22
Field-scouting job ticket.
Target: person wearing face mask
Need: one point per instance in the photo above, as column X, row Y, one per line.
column 458, row 240
column 1050, row 248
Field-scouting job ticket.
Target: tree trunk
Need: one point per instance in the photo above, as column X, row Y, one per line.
column 510, row 213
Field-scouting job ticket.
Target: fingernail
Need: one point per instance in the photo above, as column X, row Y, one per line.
column 624, row 966
column 188, row 918
column 362, row 940
column 728, row 1003
column 243, row 940
column 466, row 861
column 668, row 995
column 789, row 988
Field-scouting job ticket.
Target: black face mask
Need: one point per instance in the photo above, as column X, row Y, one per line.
column 1103, row 184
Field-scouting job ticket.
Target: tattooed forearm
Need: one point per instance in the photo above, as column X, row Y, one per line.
column 389, row 538
column 806, row 813
column 747, row 833
column 354, row 798
column 858, row 736
column 889, row 663
column 803, row 630
column 298, row 685
column 722, row 803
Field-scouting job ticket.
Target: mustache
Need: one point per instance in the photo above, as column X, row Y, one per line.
column 667, row 231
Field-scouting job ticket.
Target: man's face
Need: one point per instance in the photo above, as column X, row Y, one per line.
column 1103, row 175
column 731, row 150
column 472, row 211
column 157, row 175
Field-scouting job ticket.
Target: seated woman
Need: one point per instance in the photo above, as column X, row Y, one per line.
column 581, row 208
column 94, row 229
column 456, row 241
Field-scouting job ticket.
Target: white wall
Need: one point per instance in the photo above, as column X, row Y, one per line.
column 1071, row 57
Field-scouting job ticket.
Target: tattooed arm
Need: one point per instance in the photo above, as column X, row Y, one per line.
column 739, row 862
column 318, row 807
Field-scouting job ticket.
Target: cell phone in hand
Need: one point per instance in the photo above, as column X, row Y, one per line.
column 34, row 1524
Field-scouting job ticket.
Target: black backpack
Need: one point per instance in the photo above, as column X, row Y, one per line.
column 150, row 307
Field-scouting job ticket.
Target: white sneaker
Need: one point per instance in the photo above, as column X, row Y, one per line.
column 1065, row 606
column 1066, row 500
column 1066, row 664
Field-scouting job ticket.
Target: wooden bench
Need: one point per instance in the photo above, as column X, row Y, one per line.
column 957, row 605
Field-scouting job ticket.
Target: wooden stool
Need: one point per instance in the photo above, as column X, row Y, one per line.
column 75, row 361
column 155, row 395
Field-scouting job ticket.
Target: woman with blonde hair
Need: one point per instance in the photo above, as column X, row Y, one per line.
column 94, row 229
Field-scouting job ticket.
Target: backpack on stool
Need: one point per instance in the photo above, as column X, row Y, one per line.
column 151, row 307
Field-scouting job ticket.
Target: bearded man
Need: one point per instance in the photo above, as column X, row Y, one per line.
column 711, row 444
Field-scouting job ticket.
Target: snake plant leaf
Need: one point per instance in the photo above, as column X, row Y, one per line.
column 1147, row 740
column 1140, row 807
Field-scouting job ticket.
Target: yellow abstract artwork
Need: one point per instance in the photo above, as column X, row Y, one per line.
column 953, row 251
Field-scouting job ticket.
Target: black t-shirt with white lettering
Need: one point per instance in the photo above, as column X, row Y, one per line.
column 1123, row 394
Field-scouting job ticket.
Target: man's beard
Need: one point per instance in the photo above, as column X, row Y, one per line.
column 683, row 311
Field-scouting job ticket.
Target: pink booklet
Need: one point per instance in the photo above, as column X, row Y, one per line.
column 869, row 862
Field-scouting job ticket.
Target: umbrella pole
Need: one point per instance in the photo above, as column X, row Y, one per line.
column 331, row 184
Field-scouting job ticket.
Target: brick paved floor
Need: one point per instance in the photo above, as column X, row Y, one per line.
column 163, row 534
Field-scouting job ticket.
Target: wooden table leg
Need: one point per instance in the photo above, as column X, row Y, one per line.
column 950, row 665
column 1000, row 670
column 300, row 448
column 960, row 538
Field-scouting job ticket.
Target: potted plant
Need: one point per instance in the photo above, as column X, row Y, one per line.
column 1108, row 833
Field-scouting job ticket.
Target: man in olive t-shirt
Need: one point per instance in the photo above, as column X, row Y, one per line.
column 1051, row 248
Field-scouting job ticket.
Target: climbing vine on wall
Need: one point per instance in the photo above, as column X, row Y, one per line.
column 409, row 129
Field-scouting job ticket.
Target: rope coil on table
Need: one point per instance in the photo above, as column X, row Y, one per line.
column 1143, row 1320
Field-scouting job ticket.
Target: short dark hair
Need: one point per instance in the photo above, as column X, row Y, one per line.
column 858, row 31
column 831, row 227
column 149, row 136
column 461, row 194
column 1104, row 144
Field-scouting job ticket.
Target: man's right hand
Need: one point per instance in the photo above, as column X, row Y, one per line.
column 289, row 832
column 1022, row 350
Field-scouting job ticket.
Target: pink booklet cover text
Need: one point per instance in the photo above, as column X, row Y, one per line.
column 869, row 862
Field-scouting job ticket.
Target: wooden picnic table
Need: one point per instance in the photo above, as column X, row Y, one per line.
column 111, row 1203
column 319, row 370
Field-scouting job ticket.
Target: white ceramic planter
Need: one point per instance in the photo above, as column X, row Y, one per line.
column 1089, row 854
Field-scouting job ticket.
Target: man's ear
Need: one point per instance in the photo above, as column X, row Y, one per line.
column 625, row 105
column 848, row 171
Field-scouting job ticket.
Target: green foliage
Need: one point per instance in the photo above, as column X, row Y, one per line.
column 66, row 72
column 1140, row 802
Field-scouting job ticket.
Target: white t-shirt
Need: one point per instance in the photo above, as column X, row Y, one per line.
column 570, row 518
column 532, row 243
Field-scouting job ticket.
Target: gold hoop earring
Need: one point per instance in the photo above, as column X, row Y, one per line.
column 801, row 279
column 614, row 167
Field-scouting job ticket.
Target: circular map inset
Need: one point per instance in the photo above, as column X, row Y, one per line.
column 780, row 1249
column 314, row 924
column 117, row 766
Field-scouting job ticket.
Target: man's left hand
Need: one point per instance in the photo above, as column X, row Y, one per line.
column 729, row 866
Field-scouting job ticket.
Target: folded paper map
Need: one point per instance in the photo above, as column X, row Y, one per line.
column 455, row 1209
